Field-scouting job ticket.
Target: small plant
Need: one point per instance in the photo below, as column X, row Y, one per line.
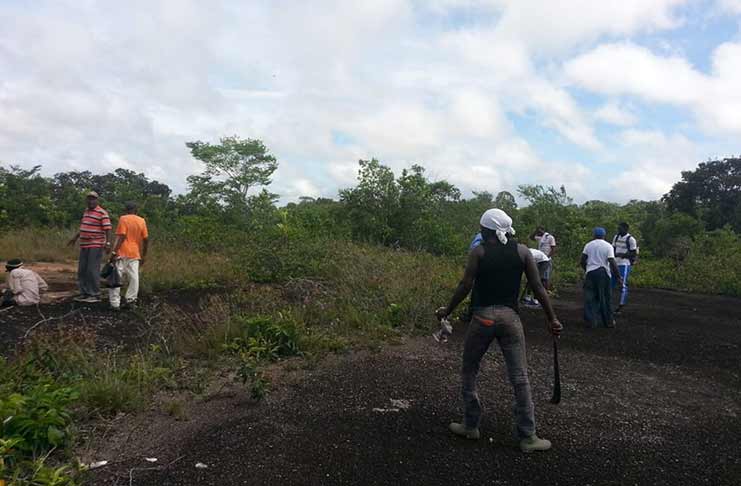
column 40, row 418
column 249, row 373
column 176, row 410
column 265, row 339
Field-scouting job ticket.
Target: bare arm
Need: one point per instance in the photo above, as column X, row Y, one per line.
column 74, row 239
column 466, row 283
column 108, row 238
column 145, row 248
column 583, row 262
column 119, row 241
column 615, row 270
column 116, row 245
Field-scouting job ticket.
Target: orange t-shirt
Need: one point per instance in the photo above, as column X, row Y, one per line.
column 134, row 228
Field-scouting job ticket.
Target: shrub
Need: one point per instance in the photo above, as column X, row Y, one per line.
column 39, row 418
column 265, row 338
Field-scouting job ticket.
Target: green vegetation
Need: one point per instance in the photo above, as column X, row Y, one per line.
column 301, row 280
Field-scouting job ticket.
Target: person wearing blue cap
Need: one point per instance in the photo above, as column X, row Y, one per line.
column 598, row 261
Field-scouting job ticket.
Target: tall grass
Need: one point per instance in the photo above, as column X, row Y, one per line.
column 37, row 244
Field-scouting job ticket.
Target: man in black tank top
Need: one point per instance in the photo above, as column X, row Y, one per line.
column 494, row 271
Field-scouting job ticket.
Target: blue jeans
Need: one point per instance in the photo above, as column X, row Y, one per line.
column 503, row 324
column 624, row 272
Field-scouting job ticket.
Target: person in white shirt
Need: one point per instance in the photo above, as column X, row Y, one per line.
column 24, row 286
column 544, row 269
column 626, row 251
column 547, row 244
column 598, row 261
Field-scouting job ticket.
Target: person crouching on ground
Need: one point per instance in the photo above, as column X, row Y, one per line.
column 129, row 252
column 24, row 285
column 493, row 272
column 598, row 261
column 544, row 268
column 95, row 238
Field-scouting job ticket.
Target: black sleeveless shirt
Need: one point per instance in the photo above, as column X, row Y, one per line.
column 499, row 275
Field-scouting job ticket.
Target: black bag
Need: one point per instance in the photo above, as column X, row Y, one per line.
column 110, row 275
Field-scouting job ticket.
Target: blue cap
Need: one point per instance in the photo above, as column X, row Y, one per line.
column 600, row 232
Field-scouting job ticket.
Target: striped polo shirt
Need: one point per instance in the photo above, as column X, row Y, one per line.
column 95, row 222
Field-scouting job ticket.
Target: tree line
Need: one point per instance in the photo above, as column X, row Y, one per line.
column 407, row 210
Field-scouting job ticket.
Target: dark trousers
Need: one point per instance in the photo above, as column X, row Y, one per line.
column 88, row 271
column 7, row 299
column 598, row 298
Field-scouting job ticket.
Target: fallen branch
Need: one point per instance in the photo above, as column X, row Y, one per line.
column 47, row 319
column 157, row 468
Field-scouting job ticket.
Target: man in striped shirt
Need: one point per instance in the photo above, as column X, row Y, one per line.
column 95, row 238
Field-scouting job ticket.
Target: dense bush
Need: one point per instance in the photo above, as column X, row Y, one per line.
column 223, row 235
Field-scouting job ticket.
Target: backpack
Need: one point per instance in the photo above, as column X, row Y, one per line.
column 628, row 236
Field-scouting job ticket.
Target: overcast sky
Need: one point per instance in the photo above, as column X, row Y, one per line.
column 612, row 99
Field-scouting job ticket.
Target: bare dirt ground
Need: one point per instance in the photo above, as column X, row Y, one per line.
column 656, row 401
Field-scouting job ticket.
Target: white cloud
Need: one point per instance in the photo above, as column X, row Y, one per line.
column 615, row 114
column 89, row 85
column 628, row 69
column 548, row 26
column 656, row 162
column 732, row 6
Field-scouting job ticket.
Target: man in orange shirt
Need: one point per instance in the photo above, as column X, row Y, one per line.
column 129, row 252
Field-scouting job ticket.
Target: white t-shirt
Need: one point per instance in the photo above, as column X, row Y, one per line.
column 623, row 244
column 539, row 256
column 546, row 242
column 598, row 253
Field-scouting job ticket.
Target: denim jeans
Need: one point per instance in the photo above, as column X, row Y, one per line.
column 625, row 273
column 597, row 298
column 503, row 324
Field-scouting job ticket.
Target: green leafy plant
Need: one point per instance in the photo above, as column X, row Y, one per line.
column 265, row 339
column 40, row 418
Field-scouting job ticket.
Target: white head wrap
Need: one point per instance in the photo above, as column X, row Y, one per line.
column 498, row 221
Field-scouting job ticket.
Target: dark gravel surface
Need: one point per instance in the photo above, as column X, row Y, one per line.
column 654, row 402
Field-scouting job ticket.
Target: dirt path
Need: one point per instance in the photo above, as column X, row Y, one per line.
column 656, row 401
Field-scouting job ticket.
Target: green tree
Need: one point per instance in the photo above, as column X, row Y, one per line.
column 115, row 188
column 673, row 235
column 233, row 167
column 25, row 198
column 712, row 193
column 553, row 209
column 372, row 204
column 506, row 202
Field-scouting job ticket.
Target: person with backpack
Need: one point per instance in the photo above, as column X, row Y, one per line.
column 626, row 252
column 494, row 272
